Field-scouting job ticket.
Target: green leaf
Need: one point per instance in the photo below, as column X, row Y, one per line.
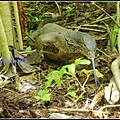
column 68, row 14
column 113, row 36
column 69, row 10
column 42, row 92
column 51, row 74
column 116, row 28
column 37, row 97
column 54, row 75
column 72, row 93
column 84, row 61
column 48, row 83
column 71, row 69
column 28, row 48
column 62, row 71
column 81, row 96
column 46, row 97
column 114, row 16
column 57, row 79
column 91, row 85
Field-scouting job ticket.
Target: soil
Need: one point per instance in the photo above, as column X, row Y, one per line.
column 81, row 16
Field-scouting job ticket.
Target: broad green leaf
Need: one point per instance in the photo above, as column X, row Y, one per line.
column 71, row 69
column 116, row 28
column 57, row 79
column 46, row 97
column 54, row 75
column 28, row 48
column 51, row 74
column 42, row 92
column 84, row 61
column 48, row 83
column 81, row 96
column 72, row 93
column 63, row 71
column 37, row 97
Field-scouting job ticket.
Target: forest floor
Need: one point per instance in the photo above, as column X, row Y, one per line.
column 82, row 16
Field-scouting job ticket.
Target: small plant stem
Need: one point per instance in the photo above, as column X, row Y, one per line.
column 78, row 82
column 86, row 80
column 80, row 95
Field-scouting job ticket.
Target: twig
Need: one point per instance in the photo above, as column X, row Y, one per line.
column 80, row 95
column 96, row 30
column 74, row 103
column 108, row 106
column 88, row 75
column 105, row 13
column 85, row 28
column 103, row 52
column 74, row 110
column 58, row 8
column 100, row 20
column 31, row 38
column 95, row 25
column 100, row 16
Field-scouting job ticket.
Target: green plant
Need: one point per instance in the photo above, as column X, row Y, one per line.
column 69, row 69
column 29, row 33
column 69, row 10
column 28, row 48
column 113, row 36
column 112, row 32
column 32, row 18
column 43, row 95
column 56, row 76
column 72, row 93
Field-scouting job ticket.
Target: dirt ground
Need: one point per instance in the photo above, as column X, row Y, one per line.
column 82, row 16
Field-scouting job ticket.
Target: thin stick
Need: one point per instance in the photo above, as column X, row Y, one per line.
column 73, row 110
column 100, row 20
column 96, row 30
column 103, row 52
column 78, row 28
column 108, row 106
column 58, row 8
